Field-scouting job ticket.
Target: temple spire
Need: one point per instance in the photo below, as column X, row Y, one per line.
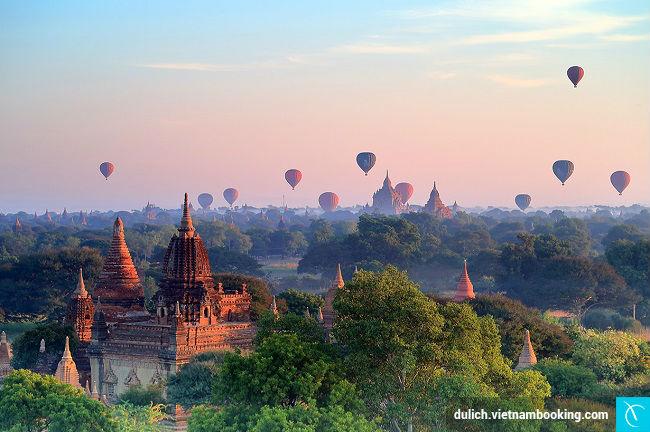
column 81, row 286
column 320, row 315
column 527, row 358
column 41, row 349
column 465, row 288
column 17, row 225
column 274, row 308
column 66, row 350
column 186, row 219
column 338, row 280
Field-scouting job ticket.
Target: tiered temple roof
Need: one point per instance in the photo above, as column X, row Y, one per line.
column 5, row 356
column 465, row 288
column 119, row 285
column 386, row 200
column 435, row 205
column 66, row 371
column 527, row 358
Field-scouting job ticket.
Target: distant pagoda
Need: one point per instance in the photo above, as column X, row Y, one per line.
column 386, row 200
column 464, row 288
column 119, row 285
column 527, row 358
column 18, row 227
column 435, row 206
column 329, row 315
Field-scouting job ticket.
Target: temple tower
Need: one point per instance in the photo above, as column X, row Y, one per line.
column 386, row 200
column 80, row 311
column 66, row 371
column 18, row 227
column 187, row 276
column 465, row 288
column 527, row 358
column 435, row 206
column 119, row 285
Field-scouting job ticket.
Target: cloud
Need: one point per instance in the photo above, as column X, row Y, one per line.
column 442, row 75
column 218, row 67
column 600, row 25
column 626, row 37
column 371, row 48
column 512, row 81
column 530, row 20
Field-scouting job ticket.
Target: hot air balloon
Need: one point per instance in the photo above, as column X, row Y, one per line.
column 522, row 201
column 205, row 199
column 293, row 177
column 366, row 161
column 106, row 168
column 620, row 180
column 328, row 201
column 575, row 74
column 405, row 191
column 231, row 195
column 563, row 170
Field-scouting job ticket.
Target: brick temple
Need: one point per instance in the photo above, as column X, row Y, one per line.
column 122, row 345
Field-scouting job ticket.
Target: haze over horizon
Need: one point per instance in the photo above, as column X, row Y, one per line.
column 208, row 95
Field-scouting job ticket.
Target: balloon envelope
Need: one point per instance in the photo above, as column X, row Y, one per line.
column 293, row 177
column 405, row 191
column 205, row 199
column 620, row 180
column 575, row 74
column 563, row 170
column 106, row 168
column 366, row 160
column 328, row 201
column 522, row 201
column 231, row 195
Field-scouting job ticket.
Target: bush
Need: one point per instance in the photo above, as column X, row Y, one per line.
column 612, row 355
column 604, row 319
column 581, row 405
column 143, row 396
column 565, row 378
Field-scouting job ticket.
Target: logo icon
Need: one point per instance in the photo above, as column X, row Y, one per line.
column 632, row 414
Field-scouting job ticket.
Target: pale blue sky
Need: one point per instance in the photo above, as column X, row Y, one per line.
column 472, row 94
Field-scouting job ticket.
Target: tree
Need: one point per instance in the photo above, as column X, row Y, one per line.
column 611, row 355
column 131, row 418
column 299, row 301
column 513, row 319
column 33, row 403
column 617, row 233
column 282, row 371
column 632, row 261
column 397, row 341
column 192, row 385
column 26, row 346
column 225, row 260
column 305, row 329
column 143, row 396
column 565, row 378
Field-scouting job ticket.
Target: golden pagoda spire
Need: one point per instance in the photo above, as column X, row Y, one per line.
column 274, row 308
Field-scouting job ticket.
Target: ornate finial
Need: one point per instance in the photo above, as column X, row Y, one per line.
column 3, row 336
column 81, row 286
column 320, row 315
column 186, row 219
column 66, row 351
column 338, row 280
column 244, row 288
column 307, row 314
column 118, row 228
column 177, row 312
column 94, row 394
column 41, row 349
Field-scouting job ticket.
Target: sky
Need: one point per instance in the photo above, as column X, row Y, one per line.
column 198, row 96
